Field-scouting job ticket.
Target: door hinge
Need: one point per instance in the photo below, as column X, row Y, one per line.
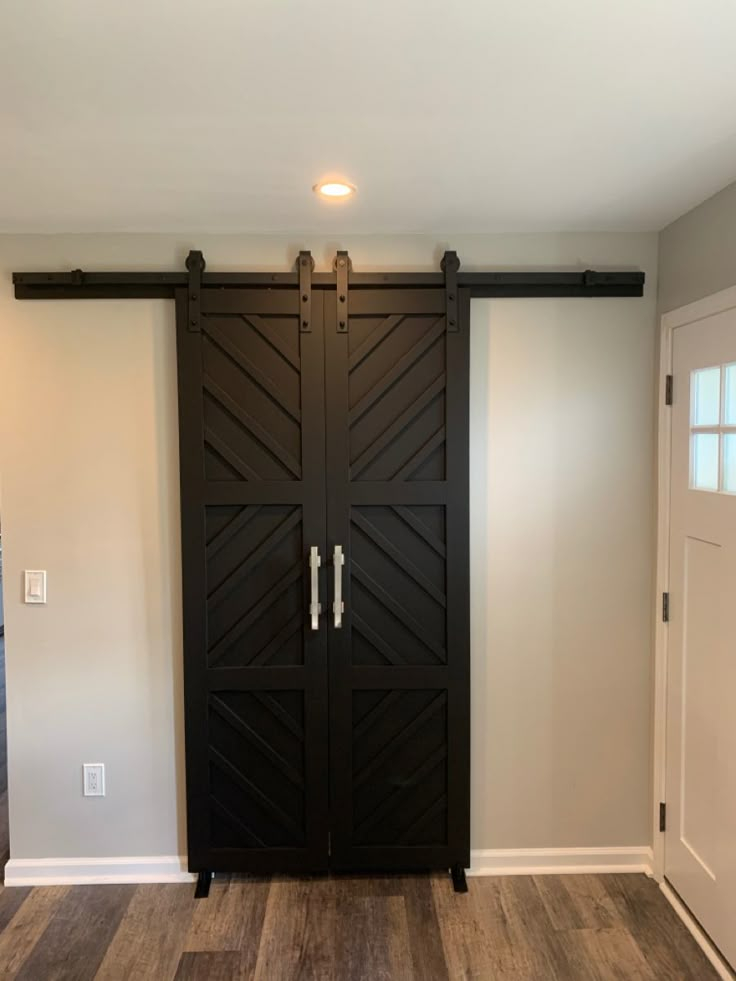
column 662, row 816
column 668, row 389
column 665, row 607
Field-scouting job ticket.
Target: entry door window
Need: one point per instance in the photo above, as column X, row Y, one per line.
column 713, row 429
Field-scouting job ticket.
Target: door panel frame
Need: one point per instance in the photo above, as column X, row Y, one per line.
column 197, row 494
column 453, row 493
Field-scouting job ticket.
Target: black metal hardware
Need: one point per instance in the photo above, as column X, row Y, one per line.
column 450, row 265
column 665, row 607
column 305, row 264
column 79, row 285
column 195, row 265
column 342, row 266
column 459, row 882
column 662, row 816
column 202, row 889
column 668, row 389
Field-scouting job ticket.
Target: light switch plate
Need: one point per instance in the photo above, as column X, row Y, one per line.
column 35, row 586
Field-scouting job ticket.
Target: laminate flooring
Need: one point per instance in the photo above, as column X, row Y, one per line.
column 397, row 928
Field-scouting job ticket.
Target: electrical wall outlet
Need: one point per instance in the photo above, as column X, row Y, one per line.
column 94, row 779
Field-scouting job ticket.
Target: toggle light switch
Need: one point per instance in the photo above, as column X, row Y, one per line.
column 35, row 585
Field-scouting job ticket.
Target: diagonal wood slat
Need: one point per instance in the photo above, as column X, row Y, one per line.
column 401, row 423
column 392, row 799
column 290, row 628
column 254, row 428
column 267, row 385
column 248, row 564
column 264, row 603
column 236, row 463
column 260, row 326
column 435, row 808
column 237, row 776
column 370, row 718
column 437, row 703
column 382, row 646
column 399, row 558
column 422, row 454
column 377, row 336
column 409, row 518
column 401, row 614
column 400, row 368
column 233, row 527
column 280, row 713
column 235, row 822
column 241, row 726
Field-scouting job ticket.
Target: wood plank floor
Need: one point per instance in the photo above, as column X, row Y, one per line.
column 552, row 928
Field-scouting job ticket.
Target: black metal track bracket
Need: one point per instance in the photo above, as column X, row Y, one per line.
column 343, row 267
column 459, row 882
column 450, row 265
column 305, row 265
column 204, row 880
column 195, row 267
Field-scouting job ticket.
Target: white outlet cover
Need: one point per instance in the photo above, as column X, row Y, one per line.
column 94, row 779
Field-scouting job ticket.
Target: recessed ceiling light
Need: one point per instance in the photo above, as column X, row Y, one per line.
column 334, row 189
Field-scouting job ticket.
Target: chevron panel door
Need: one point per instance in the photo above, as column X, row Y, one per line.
column 252, row 443
column 397, row 465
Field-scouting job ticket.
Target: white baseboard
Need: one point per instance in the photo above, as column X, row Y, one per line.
column 96, row 871
column 701, row 938
column 172, row 868
column 558, row 861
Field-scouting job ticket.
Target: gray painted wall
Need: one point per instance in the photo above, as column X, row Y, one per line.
column 89, row 468
column 697, row 253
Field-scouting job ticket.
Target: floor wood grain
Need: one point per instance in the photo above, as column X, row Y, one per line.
column 383, row 928
column 79, row 932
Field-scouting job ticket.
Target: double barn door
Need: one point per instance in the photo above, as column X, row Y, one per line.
column 324, row 470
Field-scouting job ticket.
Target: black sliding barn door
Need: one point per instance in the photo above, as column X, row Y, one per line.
column 251, row 393
column 397, row 464
column 325, row 438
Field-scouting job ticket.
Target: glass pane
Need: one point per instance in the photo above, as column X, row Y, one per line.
column 704, row 462
column 705, row 386
column 730, row 412
column 729, row 463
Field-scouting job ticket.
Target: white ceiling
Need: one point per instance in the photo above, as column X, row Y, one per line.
column 460, row 115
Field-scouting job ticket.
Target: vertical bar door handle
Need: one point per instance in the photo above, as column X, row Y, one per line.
column 338, row 606
column 315, row 607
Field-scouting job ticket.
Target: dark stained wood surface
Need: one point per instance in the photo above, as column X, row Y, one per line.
column 386, row 928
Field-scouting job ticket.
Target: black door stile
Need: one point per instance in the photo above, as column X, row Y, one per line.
column 191, row 470
column 397, row 459
column 251, row 411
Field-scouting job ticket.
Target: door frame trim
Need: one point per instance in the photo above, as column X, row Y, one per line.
column 691, row 313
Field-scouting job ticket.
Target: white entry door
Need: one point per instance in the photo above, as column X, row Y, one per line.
column 700, row 840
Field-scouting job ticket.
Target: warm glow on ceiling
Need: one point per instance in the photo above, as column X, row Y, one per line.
column 334, row 189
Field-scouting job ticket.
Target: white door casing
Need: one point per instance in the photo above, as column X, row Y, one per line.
column 700, row 772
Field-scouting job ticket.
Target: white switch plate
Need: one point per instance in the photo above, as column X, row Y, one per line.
column 35, row 585
column 94, row 779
